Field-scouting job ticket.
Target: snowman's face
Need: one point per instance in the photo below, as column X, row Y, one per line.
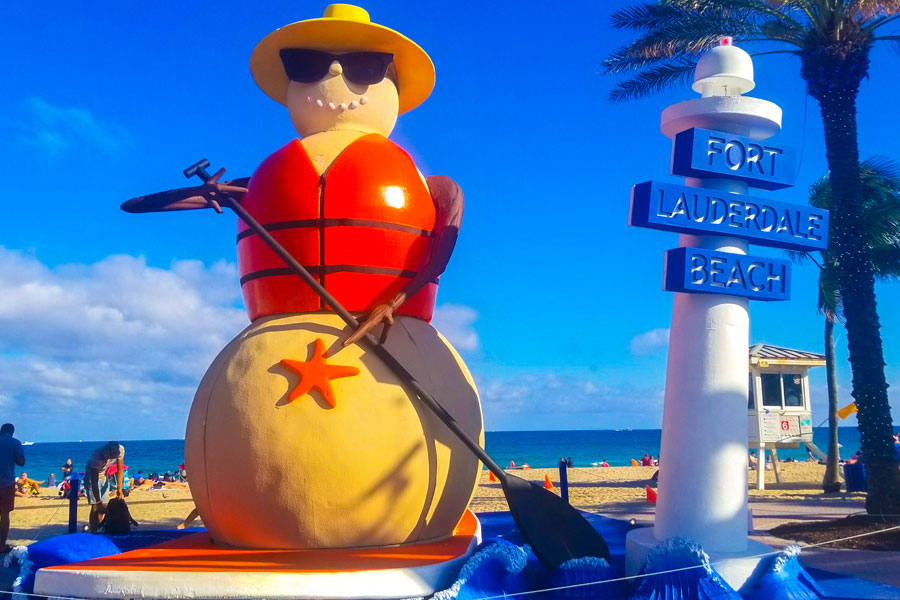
column 334, row 103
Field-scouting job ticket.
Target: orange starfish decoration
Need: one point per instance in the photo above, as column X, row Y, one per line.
column 316, row 374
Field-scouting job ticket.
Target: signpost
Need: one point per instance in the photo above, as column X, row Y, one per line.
column 722, row 145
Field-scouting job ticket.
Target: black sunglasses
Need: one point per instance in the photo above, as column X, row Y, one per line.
column 307, row 66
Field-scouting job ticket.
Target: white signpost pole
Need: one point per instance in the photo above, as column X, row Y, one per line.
column 703, row 458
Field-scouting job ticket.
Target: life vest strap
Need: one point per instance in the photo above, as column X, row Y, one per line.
column 338, row 223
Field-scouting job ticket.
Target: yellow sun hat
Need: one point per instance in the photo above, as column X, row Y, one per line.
column 344, row 28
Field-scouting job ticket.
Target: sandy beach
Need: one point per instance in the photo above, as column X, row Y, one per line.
column 596, row 489
column 40, row 517
column 615, row 490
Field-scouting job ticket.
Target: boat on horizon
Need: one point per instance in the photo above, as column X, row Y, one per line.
column 28, row 443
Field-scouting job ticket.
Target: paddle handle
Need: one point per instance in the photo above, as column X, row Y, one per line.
column 369, row 340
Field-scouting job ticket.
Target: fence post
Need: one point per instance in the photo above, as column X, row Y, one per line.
column 563, row 480
column 74, row 487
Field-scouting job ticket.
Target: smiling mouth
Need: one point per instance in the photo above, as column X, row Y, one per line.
column 341, row 107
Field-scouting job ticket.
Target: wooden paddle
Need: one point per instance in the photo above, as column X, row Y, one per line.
column 555, row 531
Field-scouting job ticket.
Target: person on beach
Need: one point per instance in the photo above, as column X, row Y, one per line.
column 51, row 481
column 67, row 468
column 754, row 463
column 96, row 484
column 645, row 462
column 27, row 487
column 11, row 454
column 604, row 463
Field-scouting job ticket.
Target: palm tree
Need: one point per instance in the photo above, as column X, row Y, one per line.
column 832, row 39
column 881, row 224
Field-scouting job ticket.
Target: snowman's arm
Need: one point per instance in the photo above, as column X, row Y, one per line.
column 187, row 198
column 448, row 202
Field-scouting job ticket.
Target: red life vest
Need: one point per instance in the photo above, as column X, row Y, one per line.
column 363, row 229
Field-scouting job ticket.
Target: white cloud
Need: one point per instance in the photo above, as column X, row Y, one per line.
column 116, row 337
column 649, row 341
column 456, row 323
column 57, row 130
column 547, row 400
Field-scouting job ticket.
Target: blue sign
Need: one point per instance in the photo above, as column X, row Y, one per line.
column 714, row 154
column 695, row 270
column 702, row 211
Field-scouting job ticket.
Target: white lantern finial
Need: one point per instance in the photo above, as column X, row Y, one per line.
column 725, row 70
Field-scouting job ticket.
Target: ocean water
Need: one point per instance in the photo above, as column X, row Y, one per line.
column 545, row 448
column 158, row 456
column 537, row 448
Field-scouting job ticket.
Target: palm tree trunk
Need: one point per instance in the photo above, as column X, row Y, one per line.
column 832, row 479
column 838, row 106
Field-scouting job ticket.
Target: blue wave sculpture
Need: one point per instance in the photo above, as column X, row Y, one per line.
column 497, row 568
column 682, row 572
column 582, row 578
column 782, row 577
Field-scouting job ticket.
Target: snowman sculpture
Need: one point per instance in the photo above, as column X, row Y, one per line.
column 298, row 437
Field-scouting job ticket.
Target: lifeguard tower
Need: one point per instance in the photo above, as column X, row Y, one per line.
column 778, row 405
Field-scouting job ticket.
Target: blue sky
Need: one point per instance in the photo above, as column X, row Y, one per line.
column 109, row 319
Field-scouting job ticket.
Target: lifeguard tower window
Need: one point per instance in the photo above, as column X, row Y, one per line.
column 771, row 389
column 793, row 389
column 751, row 402
column 780, row 390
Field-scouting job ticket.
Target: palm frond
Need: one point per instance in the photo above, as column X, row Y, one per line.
column 864, row 10
column 654, row 79
column 880, row 203
column 648, row 16
column 886, row 262
column 782, row 32
column 621, row 60
column 829, row 288
column 881, row 168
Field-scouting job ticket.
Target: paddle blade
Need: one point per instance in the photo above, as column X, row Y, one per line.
column 180, row 199
column 555, row 531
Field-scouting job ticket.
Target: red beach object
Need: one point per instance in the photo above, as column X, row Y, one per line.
column 548, row 485
column 651, row 495
column 363, row 229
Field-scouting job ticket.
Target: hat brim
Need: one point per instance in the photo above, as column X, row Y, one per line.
column 415, row 71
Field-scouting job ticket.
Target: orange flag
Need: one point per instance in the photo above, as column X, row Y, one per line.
column 548, row 485
column 847, row 410
column 651, row 495
column 635, row 463
column 491, row 476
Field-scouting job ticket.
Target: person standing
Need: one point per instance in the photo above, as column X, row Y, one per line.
column 96, row 482
column 11, row 454
column 67, row 468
